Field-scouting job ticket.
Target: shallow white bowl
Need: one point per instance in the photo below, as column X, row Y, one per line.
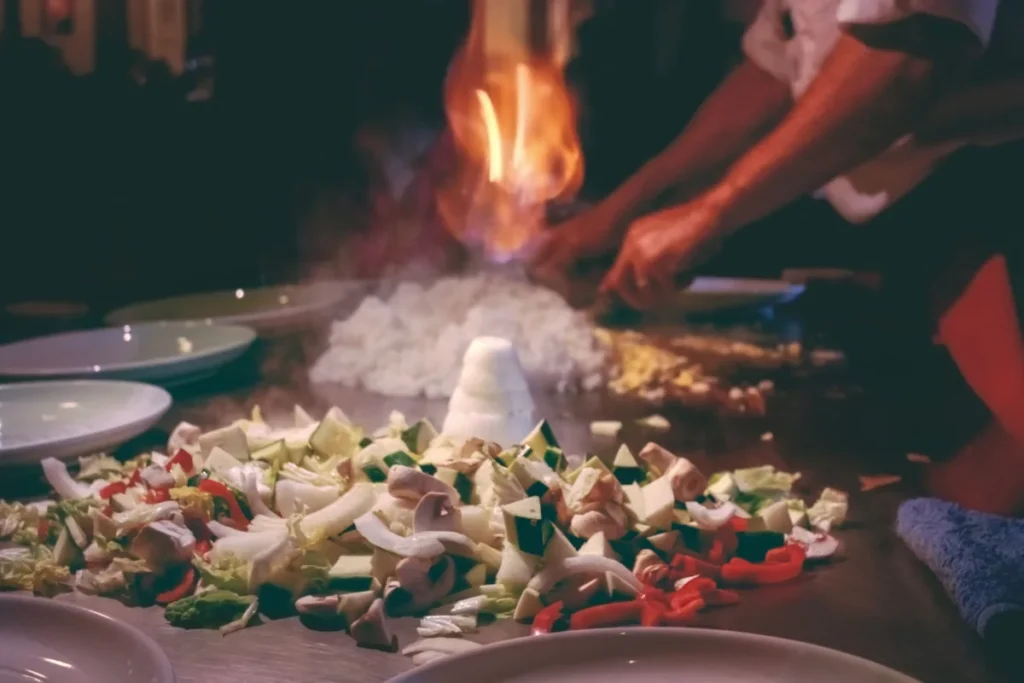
column 64, row 419
column 165, row 352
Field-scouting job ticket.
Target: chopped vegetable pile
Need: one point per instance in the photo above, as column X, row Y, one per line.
column 350, row 528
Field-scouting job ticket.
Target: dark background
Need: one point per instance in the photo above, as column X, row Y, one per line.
column 122, row 185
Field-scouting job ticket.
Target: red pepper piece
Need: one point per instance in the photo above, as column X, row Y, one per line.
column 651, row 613
column 738, row 523
column 43, row 530
column 184, row 588
column 547, row 618
column 136, row 477
column 219, row 490
column 202, row 547
column 717, row 552
column 786, row 563
column 720, row 597
column 684, row 615
column 113, row 488
column 687, row 565
column 154, row 496
column 183, row 458
column 612, row 614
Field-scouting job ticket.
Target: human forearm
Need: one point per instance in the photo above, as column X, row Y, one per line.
column 737, row 114
column 861, row 102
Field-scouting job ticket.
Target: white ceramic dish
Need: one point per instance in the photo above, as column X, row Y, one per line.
column 46, row 640
column 164, row 353
column 64, row 419
column 721, row 293
column 653, row 655
column 265, row 309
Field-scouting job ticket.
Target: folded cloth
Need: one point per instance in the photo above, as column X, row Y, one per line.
column 978, row 557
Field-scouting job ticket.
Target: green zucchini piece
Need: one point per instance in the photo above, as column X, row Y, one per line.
column 525, row 527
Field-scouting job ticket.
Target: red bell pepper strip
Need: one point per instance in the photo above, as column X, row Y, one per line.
column 184, row 588
column 43, row 530
column 112, row 489
column 687, row 565
column 136, row 477
column 651, row 613
column 219, row 490
column 546, row 619
column 683, row 615
column 183, row 458
column 738, row 523
column 716, row 554
column 202, row 547
column 652, row 594
column 786, row 563
column 612, row 614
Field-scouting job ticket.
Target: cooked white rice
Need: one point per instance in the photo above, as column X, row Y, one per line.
column 412, row 342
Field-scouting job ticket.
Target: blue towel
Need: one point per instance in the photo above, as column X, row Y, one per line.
column 979, row 558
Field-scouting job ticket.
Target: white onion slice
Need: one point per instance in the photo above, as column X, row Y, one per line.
column 445, row 645
column 711, row 519
column 583, row 564
column 373, row 530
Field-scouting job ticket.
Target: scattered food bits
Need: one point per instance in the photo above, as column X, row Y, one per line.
column 919, row 458
column 657, row 422
column 767, row 436
column 820, row 357
column 872, row 482
column 735, row 394
column 700, row 388
column 606, row 428
column 766, row 385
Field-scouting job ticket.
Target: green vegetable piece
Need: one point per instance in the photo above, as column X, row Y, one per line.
column 419, row 436
column 276, row 452
column 375, row 474
column 365, row 441
column 626, row 468
column 399, row 458
column 555, row 458
column 525, row 526
column 754, row 545
column 458, row 481
column 207, row 610
column 428, row 468
column 231, row 439
column 541, row 438
column 333, row 437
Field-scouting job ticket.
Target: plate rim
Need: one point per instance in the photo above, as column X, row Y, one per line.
column 159, row 656
column 337, row 288
column 19, row 450
column 739, row 638
column 83, row 372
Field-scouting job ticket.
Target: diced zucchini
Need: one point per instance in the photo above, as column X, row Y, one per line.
column 752, row 546
column 351, row 573
column 428, row 468
column 775, row 517
column 598, row 545
column 659, row 502
column 489, row 558
column 668, row 543
column 559, row 548
column 541, row 438
column 634, row 500
column 555, row 458
column 334, row 437
column 219, row 461
column 458, row 481
column 516, row 568
column 525, row 527
column 231, row 439
column 365, row 441
column 477, row 576
column 507, row 456
column 528, row 606
column 399, row 458
column 608, row 429
column 722, row 486
column 419, row 436
column 692, row 536
column 276, row 452
column 531, row 474
column 626, row 468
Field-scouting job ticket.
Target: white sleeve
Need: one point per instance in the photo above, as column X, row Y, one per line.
column 764, row 42
column 977, row 15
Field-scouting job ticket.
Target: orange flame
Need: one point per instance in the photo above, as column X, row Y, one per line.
column 513, row 122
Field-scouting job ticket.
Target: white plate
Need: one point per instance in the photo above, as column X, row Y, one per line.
column 64, row 419
column 151, row 352
column 653, row 655
column 719, row 293
column 265, row 309
column 45, row 640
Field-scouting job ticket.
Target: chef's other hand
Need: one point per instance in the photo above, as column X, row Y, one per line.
column 589, row 235
column 658, row 250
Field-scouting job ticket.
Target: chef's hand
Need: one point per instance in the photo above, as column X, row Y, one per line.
column 658, row 249
column 589, row 235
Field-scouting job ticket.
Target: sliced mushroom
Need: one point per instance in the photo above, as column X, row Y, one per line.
column 435, row 512
column 418, row 585
column 371, row 629
column 412, row 484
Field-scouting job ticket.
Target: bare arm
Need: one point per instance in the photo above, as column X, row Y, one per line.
column 747, row 104
column 865, row 98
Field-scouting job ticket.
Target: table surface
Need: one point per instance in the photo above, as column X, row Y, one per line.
column 877, row 601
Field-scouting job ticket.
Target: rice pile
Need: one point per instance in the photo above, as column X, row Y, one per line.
column 412, row 342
